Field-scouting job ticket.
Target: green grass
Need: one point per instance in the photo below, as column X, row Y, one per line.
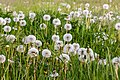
column 40, row 68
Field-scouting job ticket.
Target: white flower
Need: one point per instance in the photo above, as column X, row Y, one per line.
column 59, row 43
column 32, row 15
column 56, row 22
column 85, row 12
column 54, row 74
column 4, row 22
column 68, row 48
column 64, row 57
column 68, row 6
column 21, row 16
column 105, row 6
column 76, row 46
column 116, row 60
column 46, row 53
column 15, row 14
column 87, row 5
column 8, row 20
column 59, row 9
column 102, row 61
column 68, row 26
column 25, row 40
column 7, row 28
column 76, row 14
column 31, row 38
column 16, row 19
column 55, row 38
column 10, row 38
column 1, row 20
column 67, row 37
column 38, row 43
column 2, row 58
column 90, row 54
column 117, row 26
column 33, row 52
column 20, row 48
column 46, row 17
column 22, row 23
column 43, row 26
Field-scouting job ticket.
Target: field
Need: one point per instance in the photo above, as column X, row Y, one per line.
column 59, row 40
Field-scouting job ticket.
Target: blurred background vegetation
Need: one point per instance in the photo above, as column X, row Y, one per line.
column 34, row 5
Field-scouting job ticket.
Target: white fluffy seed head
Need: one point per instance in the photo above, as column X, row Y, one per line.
column 31, row 38
column 46, row 17
column 43, row 26
column 22, row 23
column 33, row 52
column 105, row 6
column 7, row 28
column 68, row 48
column 68, row 26
column 56, row 22
column 2, row 58
column 20, row 48
column 76, row 46
column 65, row 58
column 55, row 38
column 117, row 26
column 10, row 38
column 38, row 43
column 67, row 37
column 32, row 15
column 21, row 16
column 8, row 20
column 1, row 20
column 16, row 19
column 46, row 53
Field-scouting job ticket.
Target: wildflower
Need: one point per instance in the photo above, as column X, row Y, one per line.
column 67, row 37
column 46, row 17
column 76, row 46
column 64, row 57
column 31, row 38
column 46, row 53
column 54, row 74
column 16, row 19
column 116, row 60
column 43, row 26
column 20, row 48
column 68, row 26
column 10, row 38
column 8, row 20
column 1, row 20
column 102, row 61
column 22, row 23
column 85, row 12
column 7, row 28
column 33, row 52
column 21, row 16
column 105, row 6
column 38, row 43
column 32, row 15
column 117, row 26
column 56, row 22
column 68, row 48
column 2, row 58
column 55, row 38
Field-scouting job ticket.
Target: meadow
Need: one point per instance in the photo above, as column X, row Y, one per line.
column 59, row 40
